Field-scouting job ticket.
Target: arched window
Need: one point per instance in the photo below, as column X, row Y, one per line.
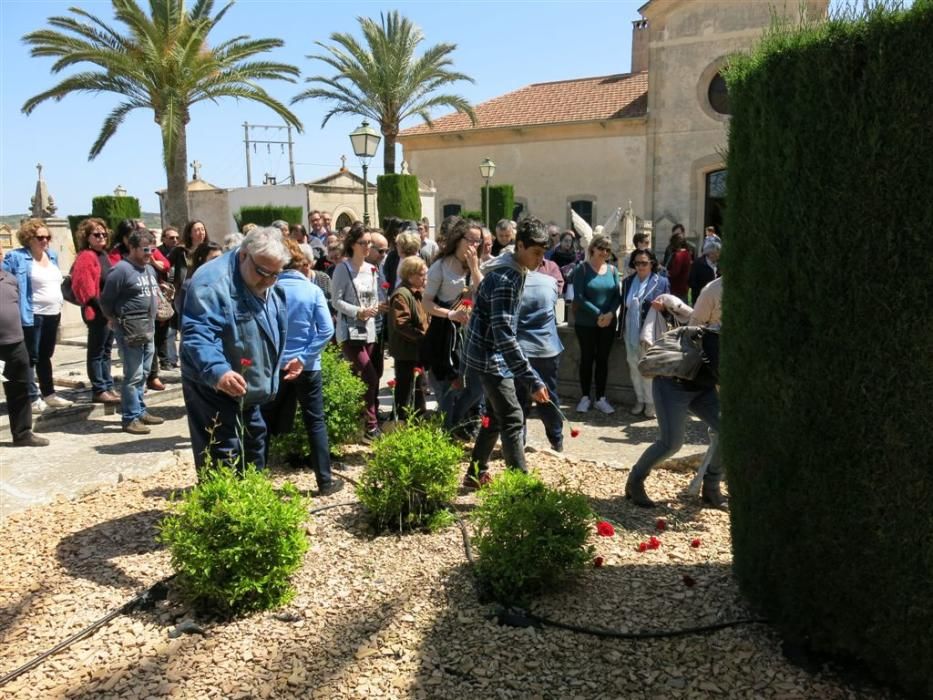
column 451, row 210
column 718, row 95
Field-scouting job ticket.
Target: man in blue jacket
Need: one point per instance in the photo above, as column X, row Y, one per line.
column 234, row 330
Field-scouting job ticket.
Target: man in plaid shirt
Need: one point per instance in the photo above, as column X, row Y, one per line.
column 493, row 353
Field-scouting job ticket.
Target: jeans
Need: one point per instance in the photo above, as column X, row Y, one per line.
column 361, row 356
column 136, row 361
column 547, row 368
column 461, row 401
column 672, row 400
column 641, row 384
column 214, row 421
column 161, row 329
column 99, row 351
column 595, row 345
column 505, row 417
column 16, row 388
column 167, row 352
column 279, row 414
column 409, row 389
column 40, row 344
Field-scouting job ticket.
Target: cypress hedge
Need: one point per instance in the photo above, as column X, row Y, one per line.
column 266, row 214
column 114, row 209
column 501, row 203
column 397, row 195
column 827, row 361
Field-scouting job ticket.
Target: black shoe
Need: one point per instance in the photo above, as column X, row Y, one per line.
column 370, row 436
column 150, row 419
column 558, row 446
column 711, row 495
column 330, row 487
column 635, row 492
column 30, row 440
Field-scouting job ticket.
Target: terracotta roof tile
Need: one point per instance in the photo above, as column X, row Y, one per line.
column 584, row 99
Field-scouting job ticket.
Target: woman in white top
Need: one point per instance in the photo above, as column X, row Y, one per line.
column 40, row 304
column 357, row 299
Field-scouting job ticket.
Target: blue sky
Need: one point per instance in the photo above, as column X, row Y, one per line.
column 502, row 45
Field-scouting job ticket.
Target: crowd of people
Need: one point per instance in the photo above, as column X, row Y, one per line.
column 468, row 316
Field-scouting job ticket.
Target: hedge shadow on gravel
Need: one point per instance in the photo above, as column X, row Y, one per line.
column 145, row 445
column 87, row 553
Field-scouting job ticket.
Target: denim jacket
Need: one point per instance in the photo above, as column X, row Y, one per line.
column 19, row 263
column 224, row 324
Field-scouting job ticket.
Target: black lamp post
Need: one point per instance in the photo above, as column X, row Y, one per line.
column 487, row 169
column 365, row 141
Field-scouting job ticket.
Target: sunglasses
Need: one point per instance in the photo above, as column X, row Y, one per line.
column 148, row 250
column 98, row 234
column 643, row 263
column 261, row 271
column 43, row 238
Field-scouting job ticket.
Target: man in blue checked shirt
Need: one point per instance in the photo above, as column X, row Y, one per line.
column 493, row 353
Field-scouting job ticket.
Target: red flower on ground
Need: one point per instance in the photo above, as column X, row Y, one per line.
column 574, row 432
column 689, row 581
column 598, row 562
column 605, row 529
column 653, row 543
column 695, row 542
column 246, row 362
column 661, row 525
column 391, row 383
column 485, row 421
column 642, row 547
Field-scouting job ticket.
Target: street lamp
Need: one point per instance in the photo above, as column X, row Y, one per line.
column 365, row 141
column 487, row 169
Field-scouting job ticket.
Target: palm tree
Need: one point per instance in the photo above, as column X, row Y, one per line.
column 384, row 81
column 160, row 62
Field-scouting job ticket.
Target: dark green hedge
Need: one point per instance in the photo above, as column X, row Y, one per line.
column 397, row 195
column 266, row 214
column 501, row 203
column 827, row 364
column 114, row 209
column 469, row 214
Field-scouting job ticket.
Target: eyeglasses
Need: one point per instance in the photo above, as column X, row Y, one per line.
column 261, row 271
column 43, row 238
column 642, row 263
column 473, row 241
column 148, row 250
column 365, row 243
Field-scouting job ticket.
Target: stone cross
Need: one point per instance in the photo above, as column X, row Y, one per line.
column 197, row 169
column 343, row 162
column 39, row 168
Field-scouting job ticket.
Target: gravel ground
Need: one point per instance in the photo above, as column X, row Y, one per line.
column 388, row 615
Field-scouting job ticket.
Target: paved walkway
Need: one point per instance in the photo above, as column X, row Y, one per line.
column 88, row 448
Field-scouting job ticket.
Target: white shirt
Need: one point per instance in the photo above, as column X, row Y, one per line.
column 46, row 281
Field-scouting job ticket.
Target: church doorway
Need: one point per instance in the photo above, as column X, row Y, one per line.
column 343, row 220
column 714, row 210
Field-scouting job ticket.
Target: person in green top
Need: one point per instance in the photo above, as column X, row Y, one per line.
column 596, row 299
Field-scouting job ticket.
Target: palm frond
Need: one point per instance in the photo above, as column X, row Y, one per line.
column 111, row 123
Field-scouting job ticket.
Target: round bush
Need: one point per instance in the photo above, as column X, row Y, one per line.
column 530, row 537
column 412, row 476
column 235, row 542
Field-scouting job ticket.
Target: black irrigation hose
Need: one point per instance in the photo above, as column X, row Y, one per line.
column 155, row 592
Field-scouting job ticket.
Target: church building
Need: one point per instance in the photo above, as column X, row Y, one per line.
column 654, row 137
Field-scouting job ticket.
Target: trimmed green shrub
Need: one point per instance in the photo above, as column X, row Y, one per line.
column 397, row 195
column 114, row 209
column 827, row 359
column 412, row 476
column 475, row 215
column 530, row 537
column 343, row 402
column 265, row 214
column 501, row 203
column 235, row 542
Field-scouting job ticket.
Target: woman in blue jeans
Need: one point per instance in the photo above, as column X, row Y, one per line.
column 672, row 399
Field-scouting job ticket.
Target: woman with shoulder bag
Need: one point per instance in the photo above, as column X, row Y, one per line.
column 408, row 325
column 88, row 275
column 355, row 295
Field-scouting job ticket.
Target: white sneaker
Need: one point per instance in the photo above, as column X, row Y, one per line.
column 56, row 401
column 638, row 408
column 38, row 406
column 604, row 406
column 649, row 410
column 584, row 405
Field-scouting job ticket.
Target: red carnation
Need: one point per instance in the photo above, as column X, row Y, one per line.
column 574, row 432
column 246, row 362
column 466, row 303
column 457, row 384
column 598, row 562
column 695, row 543
column 689, row 581
column 419, row 371
column 653, row 542
column 661, row 525
column 375, row 271
column 605, row 529
column 642, row 547
column 485, row 421
column 385, row 285
column 391, row 383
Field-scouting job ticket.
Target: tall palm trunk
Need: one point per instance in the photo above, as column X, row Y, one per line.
column 388, row 151
column 176, row 169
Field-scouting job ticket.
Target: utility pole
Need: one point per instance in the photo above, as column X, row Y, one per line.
column 269, row 143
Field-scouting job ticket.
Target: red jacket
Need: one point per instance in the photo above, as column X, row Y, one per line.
column 678, row 272
column 116, row 254
column 86, row 282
